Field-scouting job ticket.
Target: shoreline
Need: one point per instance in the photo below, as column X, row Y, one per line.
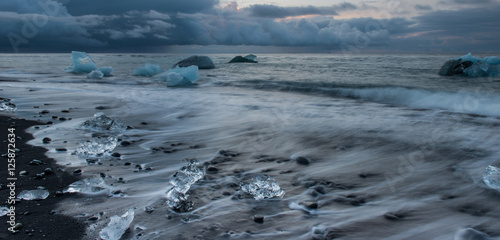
column 39, row 218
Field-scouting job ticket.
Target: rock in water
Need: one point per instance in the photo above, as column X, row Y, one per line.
column 240, row 59
column 82, row 63
column 203, row 62
column 148, row 70
column 263, row 186
column 96, row 74
column 38, row 194
column 454, row 67
column 178, row 77
column 117, row 226
column 101, row 123
column 470, row 234
column 492, row 177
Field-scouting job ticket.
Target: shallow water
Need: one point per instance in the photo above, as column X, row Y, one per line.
column 384, row 134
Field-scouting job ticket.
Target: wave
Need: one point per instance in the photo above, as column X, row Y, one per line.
column 460, row 102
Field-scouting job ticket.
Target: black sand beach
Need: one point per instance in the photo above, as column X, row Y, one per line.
column 39, row 219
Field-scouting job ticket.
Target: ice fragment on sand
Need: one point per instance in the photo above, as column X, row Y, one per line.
column 88, row 185
column 101, row 122
column 182, row 181
column 97, row 147
column 107, row 71
column 263, row 186
column 7, row 105
column 117, row 226
column 96, row 74
column 148, row 70
column 492, row 177
column 38, row 194
column 82, row 63
column 4, row 211
column 179, row 76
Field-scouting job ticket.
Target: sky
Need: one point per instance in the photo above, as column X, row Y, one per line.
column 163, row 26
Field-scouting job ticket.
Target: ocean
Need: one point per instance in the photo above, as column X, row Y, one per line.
column 394, row 151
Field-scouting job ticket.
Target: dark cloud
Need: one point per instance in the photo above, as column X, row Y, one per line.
column 272, row 11
column 471, row 1
column 423, row 7
column 107, row 7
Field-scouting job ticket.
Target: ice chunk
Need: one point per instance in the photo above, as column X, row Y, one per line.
column 38, row 194
column 82, row 63
column 263, row 186
column 97, row 147
column 203, row 62
column 177, row 199
column 4, row 211
column 148, row 70
column 101, row 122
column 468, row 57
column 107, row 71
column 492, row 177
column 251, row 57
column 96, row 74
column 88, row 185
column 186, row 176
column 117, row 226
column 7, row 105
column 492, row 60
column 179, row 76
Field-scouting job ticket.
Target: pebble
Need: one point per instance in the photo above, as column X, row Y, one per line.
column 23, row 173
column 303, row 160
column 127, row 164
column 62, row 119
column 45, row 112
column 48, row 171
column 59, row 193
column 18, row 226
column 93, row 219
column 212, row 170
column 101, row 107
column 149, row 209
column 55, row 117
column 258, row 218
column 91, row 160
column 36, row 162
column 40, row 176
column 310, row 205
column 77, row 172
column 116, row 155
column 46, row 140
column 50, row 122
column 103, row 175
column 61, row 149
column 65, row 111
column 144, row 123
column 125, row 143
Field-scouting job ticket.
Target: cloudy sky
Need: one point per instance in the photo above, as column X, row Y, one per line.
column 255, row 25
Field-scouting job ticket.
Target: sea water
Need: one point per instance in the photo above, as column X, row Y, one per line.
column 395, row 151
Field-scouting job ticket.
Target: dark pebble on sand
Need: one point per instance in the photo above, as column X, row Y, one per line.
column 62, row 119
column 91, row 160
column 310, row 205
column 61, row 150
column 258, row 218
column 212, row 170
column 50, row 122
column 59, row 193
column 149, row 209
column 46, row 140
column 36, row 162
column 23, row 173
column 226, row 193
column 36, row 106
column 127, row 164
column 65, row 111
column 55, row 117
column 125, row 143
column 319, row 189
column 103, row 175
column 77, row 172
column 138, row 166
column 48, row 171
column 45, row 112
column 116, row 155
column 303, row 160
column 18, row 226
column 101, row 107
column 144, row 123
column 93, row 219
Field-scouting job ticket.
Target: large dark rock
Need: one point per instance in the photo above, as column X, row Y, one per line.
column 454, row 67
column 203, row 62
column 240, row 59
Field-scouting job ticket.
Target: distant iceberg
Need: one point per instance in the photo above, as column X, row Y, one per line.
column 471, row 66
column 148, row 70
column 203, row 62
column 82, row 63
column 247, row 59
column 177, row 77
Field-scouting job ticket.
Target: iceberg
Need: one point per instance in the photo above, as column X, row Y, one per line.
column 148, row 70
column 263, row 186
column 177, row 199
column 97, row 147
column 88, row 185
column 251, row 57
column 38, row 194
column 96, row 74
column 240, row 59
column 492, row 177
column 82, row 63
column 117, row 226
column 107, row 71
column 179, row 76
column 203, row 62
column 7, row 105
column 471, row 66
column 101, row 123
